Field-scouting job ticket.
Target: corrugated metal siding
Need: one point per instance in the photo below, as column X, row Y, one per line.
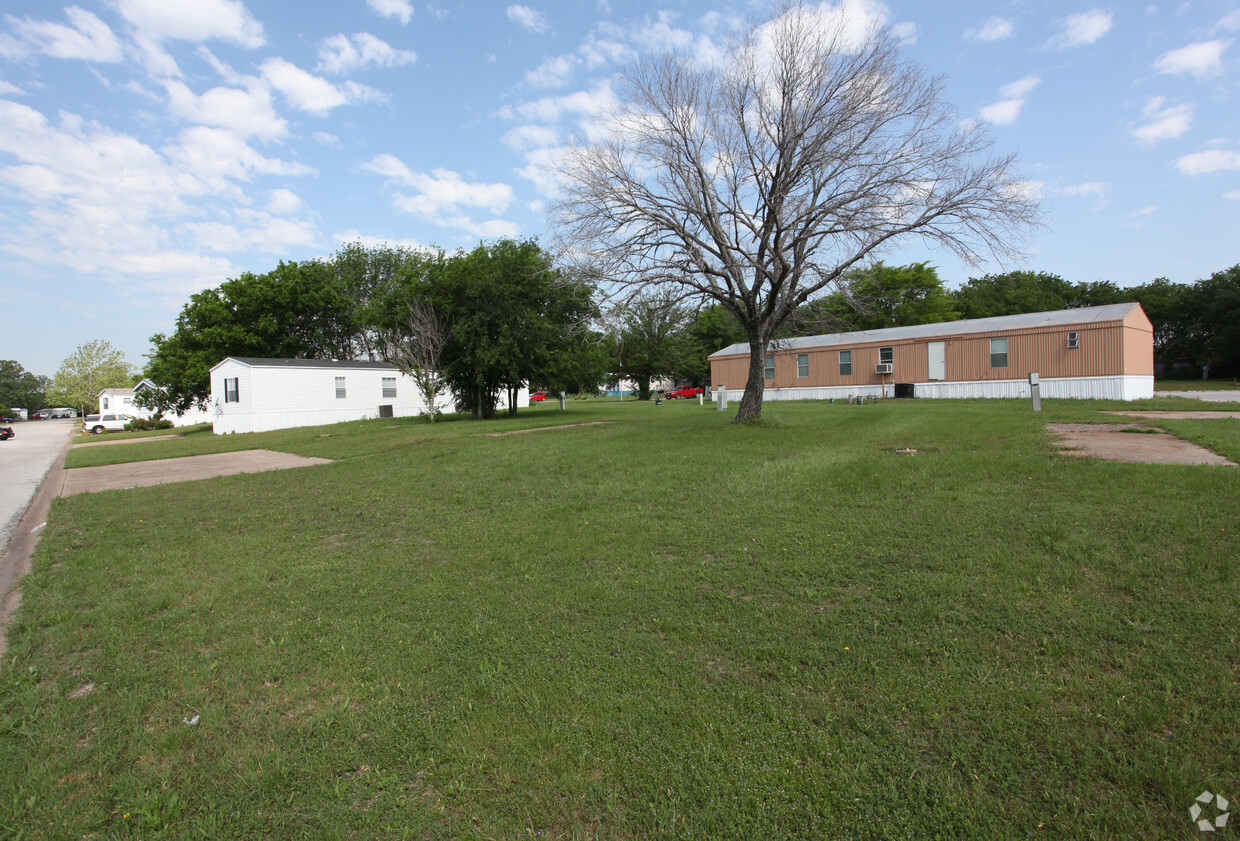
column 1082, row 388
column 1104, row 350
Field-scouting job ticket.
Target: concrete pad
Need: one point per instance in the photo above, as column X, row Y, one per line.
column 1210, row 396
column 164, row 471
column 1106, row 441
column 1178, row 415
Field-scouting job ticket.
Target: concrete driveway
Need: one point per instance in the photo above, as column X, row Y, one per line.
column 1208, row 396
column 24, row 461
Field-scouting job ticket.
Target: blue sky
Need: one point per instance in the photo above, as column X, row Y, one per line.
column 152, row 148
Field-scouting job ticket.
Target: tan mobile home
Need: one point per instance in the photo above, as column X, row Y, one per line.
column 1102, row 352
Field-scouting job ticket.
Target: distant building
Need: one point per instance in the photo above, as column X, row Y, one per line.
column 125, row 400
column 259, row 395
column 1102, row 352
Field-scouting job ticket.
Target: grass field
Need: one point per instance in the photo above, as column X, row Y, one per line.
column 662, row 627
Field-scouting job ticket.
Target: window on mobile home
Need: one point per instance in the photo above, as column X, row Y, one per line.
column 770, row 367
column 340, row 389
column 846, row 363
column 998, row 353
column 802, row 365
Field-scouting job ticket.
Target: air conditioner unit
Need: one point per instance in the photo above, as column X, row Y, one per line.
column 882, row 368
column 1074, row 339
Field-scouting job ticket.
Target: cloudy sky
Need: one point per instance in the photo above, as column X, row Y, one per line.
column 153, row 148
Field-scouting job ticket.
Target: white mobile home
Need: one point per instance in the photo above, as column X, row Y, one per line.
column 258, row 395
column 125, row 400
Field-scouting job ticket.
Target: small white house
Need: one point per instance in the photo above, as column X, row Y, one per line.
column 259, row 395
column 125, row 400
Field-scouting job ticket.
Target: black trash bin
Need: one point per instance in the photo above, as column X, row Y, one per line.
column 904, row 389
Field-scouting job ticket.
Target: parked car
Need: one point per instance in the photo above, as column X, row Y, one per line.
column 682, row 391
column 6, row 432
column 538, row 397
column 107, row 422
column 42, row 414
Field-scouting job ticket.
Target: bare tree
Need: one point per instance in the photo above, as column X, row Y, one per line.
column 417, row 350
column 758, row 182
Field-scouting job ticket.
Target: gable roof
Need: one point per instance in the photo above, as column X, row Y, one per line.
column 1024, row 321
column 262, row 362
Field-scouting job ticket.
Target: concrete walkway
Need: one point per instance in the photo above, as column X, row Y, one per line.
column 163, row 471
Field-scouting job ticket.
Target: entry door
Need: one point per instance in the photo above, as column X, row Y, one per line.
column 937, row 351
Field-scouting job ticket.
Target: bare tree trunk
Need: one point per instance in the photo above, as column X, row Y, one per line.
column 751, row 401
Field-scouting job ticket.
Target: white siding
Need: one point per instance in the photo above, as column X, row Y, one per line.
column 1085, row 388
column 281, row 397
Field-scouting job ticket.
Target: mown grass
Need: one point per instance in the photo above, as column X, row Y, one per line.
column 663, row 627
column 1197, row 385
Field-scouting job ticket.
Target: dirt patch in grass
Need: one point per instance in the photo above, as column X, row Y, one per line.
column 1115, row 442
column 163, row 471
column 1178, row 415
column 545, row 428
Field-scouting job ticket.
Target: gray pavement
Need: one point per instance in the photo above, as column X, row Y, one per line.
column 24, row 461
column 1208, row 396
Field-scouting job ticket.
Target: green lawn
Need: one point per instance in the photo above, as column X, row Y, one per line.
column 662, row 627
column 1197, row 385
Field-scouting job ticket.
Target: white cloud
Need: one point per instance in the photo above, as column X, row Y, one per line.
column 327, row 139
column 311, row 93
column 526, row 137
column 905, row 32
column 528, row 19
column 247, row 112
column 1203, row 59
column 104, row 203
column 1020, row 88
column 1213, row 160
column 1146, row 211
column 6, row 88
column 993, row 29
column 1234, row 195
column 193, row 20
column 1006, row 111
column 342, row 53
column 552, row 73
column 86, row 37
column 586, row 104
column 1163, row 122
column 402, row 10
column 369, row 241
column 1094, row 189
column 1231, row 22
column 284, row 202
column 442, row 195
column 1083, row 29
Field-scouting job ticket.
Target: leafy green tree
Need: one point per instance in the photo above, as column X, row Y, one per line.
column 513, row 314
column 20, row 389
column 1165, row 304
column 712, row 328
column 1012, row 293
column 651, row 341
column 90, row 369
column 1212, row 322
column 879, row 296
column 587, row 361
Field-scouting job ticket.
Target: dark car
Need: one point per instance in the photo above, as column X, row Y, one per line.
column 6, row 432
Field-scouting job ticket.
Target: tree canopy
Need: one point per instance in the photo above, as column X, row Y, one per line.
column 760, row 181
column 90, row 369
column 20, row 389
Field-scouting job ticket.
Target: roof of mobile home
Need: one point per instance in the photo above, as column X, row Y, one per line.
column 260, row 362
column 1108, row 313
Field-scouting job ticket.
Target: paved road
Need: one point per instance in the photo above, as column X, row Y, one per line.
column 1208, row 396
column 24, row 461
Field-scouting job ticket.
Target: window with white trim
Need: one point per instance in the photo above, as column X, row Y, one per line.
column 389, row 386
column 886, row 354
column 770, row 367
column 846, row 363
column 802, row 365
column 340, row 389
column 998, row 353
column 232, row 392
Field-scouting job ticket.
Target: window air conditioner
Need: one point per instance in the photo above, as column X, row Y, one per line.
column 1074, row 339
column 882, row 368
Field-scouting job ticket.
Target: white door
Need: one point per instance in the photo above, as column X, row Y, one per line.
column 937, row 352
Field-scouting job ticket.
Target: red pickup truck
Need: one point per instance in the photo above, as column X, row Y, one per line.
column 682, row 391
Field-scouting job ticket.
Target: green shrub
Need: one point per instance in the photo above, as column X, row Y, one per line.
column 147, row 424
